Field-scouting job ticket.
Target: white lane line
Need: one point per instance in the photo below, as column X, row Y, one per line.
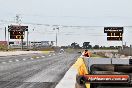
column 3, row 62
column 24, row 59
column 49, row 55
column 17, row 60
column 54, row 54
column 37, row 57
column 10, row 61
column 42, row 56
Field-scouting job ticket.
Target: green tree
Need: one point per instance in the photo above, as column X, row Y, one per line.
column 96, row 47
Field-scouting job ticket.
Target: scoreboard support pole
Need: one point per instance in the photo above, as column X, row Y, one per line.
column 5, row 33
column 8, row 41
column 27, row 39
column 122, row 42
column 21, row 44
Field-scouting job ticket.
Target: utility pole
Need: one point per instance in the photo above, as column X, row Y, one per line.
column 18, row 20
column 56, row 35
column 56, row 39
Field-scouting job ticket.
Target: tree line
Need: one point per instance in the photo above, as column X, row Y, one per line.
column 86, row 45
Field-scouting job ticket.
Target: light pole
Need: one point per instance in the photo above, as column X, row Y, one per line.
column 57, row 28
column 5, row 33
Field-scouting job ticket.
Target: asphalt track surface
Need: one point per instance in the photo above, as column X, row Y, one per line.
column 34, row 70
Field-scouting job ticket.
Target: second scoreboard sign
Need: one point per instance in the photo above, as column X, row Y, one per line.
column 114, row 33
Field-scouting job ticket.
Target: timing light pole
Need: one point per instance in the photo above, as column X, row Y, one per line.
column 56, row 35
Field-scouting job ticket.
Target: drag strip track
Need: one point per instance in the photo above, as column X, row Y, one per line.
column 41, row 72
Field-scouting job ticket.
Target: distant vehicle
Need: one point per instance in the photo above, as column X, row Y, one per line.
column 61, row 50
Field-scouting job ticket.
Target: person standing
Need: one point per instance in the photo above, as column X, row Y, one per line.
column 86, row 53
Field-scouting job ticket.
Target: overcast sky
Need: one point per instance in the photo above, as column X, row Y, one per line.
column 70, row 12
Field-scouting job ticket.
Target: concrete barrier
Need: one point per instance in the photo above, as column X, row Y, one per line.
column 69, row 80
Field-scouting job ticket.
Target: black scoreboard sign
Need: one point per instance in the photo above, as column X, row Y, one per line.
column 17, row 31
column 114, row 33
